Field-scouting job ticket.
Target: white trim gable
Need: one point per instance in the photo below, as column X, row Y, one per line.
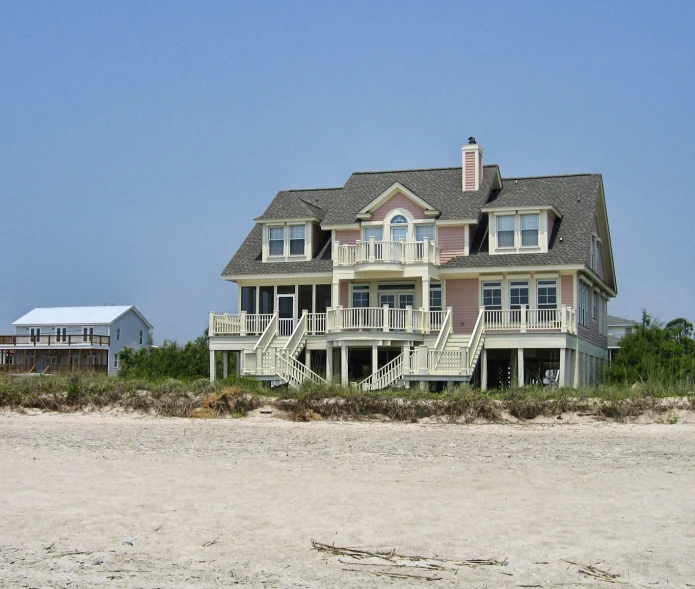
column 391, row 191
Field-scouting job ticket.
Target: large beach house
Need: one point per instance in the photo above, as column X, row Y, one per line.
column 425, row 276
column 73, row 339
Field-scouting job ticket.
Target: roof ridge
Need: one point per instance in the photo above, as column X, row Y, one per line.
column 420, row 169
column 312, row 189
column 549, row 176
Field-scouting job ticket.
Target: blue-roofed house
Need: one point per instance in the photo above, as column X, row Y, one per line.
column 73, row 339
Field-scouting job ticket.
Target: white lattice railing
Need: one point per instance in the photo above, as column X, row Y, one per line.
column 390, row 252
column 385, row 376
column 294, row 372
column 444, row 362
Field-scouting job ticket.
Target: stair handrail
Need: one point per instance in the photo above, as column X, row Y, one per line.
column 294, row 372
column 444, row 331
column 268, row 334
column 387, row 374
column 296, row 337
column 476, row 338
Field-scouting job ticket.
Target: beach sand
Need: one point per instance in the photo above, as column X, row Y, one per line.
column 117, row 500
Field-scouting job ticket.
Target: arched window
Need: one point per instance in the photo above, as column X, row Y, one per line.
column 399, row 228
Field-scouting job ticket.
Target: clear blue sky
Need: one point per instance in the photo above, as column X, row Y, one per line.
column 138, row 140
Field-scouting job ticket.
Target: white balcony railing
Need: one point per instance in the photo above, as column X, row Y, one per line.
column 523, row 319
column 386, row 252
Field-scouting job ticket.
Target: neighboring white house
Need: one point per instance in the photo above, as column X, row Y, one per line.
column 70, row 339
column 618, row 328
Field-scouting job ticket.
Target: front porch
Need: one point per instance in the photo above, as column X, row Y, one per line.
column 45, row 360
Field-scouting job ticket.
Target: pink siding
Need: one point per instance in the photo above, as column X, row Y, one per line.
column 344, row 293
column 567, row 291
column 451, row 241
column 398, row 201
column 469, row 180
column 347, row 236
column 462, row 295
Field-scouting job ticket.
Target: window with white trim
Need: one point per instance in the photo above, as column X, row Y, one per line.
column 505, row 230
column 87, row 334
column 35, row 334
column 529, row 230
column 376, row 232
column 546, row 294
column 492, row 295
column 584, row 304
column 297, row 240
column 594, row 306
column 61, row 334
column 435, row 297
column 595, row 253
column 360, row 295
column 399, row 228
column 422, row 231
column 115, row 360
column 518, row 294
column 276, row 241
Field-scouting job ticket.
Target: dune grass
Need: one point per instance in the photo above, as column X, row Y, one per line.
column 235, row 397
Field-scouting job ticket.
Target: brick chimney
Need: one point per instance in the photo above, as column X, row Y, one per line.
column 472, row 155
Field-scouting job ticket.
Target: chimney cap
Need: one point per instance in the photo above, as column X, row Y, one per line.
column 471, row 141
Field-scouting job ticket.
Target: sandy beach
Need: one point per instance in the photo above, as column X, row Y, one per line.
column 99, row 500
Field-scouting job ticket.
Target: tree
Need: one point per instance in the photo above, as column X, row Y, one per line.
column 656, row 353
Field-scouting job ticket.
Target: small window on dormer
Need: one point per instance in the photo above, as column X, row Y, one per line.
column 297, row 240
column 276, row 241
column 505, row 231
column 529, row 230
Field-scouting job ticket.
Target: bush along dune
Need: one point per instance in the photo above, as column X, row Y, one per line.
column 236, row 397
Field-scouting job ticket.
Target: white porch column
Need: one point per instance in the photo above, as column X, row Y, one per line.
column 242, row 323
column 406, row 359
column 563, row 361
column 212, row 366
column 520, row 367
column 483, row 369
column 225, row 364
column 335, row 294
column 329, row 363
column 426, row 294
column 576, row 367
column 344, row 366
column 211, row 324
column 375, row 358
column 307, row 358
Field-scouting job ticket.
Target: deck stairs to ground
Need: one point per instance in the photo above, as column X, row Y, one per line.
column 452, row 354
column 276, row 355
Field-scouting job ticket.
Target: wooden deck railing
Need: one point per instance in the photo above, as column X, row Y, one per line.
column 523, row 319
column 52, row 368
column 388, row 252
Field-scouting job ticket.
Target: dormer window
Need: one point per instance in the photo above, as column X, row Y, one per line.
column 505, row 230
column 286, row 241
column 529, row 230
column 276, row 241
column 518, row 231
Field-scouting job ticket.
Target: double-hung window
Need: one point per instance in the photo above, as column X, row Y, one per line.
column 276, row 241
column 61, row 334
column 547, row 294
column 583, row 304
column 360, row 295
column 594, row 307
column 422, row 231
column 376, row 232
column 87, row 334
column 529, row 230
column 492, row 295
column 435, row 297
column 297, row 240
column 35, row 335
column 518, row 297
column 505, row 230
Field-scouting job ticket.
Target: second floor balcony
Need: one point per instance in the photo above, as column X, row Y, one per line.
column 54, row 341
column 385, row 254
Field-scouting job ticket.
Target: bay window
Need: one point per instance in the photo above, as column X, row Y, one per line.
column 505, row 231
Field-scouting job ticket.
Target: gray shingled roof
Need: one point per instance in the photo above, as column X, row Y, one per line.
column 620, row 321
column 247, row 259
column 574, row 196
